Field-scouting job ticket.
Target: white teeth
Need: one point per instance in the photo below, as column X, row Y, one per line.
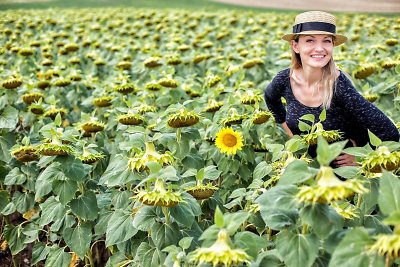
column 318, row 56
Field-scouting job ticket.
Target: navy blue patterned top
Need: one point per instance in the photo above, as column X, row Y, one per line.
column 349, row 112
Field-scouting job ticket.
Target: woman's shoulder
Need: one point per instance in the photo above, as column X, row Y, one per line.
column 282, row 75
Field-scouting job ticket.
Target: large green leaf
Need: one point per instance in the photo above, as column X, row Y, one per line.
column 278, row 207
column 7, row 140
column 52, row 210
column 149, row 256
column 322, row 218
column 120, row 227
column 261, row 170
column 15, row 177
column 297, row 172
column 117, row 172
column 57, row 257
column 8, row 118
column 85, row 206
column 23, row 201
column 15, row 238
column 353, row 251
column 250, row 242
column 79, row 238
column 211, row 172
column 389, row 197
column 46, row 178
column 186, row 211
column 4, row 199
column 145, row 218
column 73, row 168
column 270, row 258
column 326, row 153
column 101, row 225
column 65, row 189
column 164, row 235
column 297, row 249
column 39, row 252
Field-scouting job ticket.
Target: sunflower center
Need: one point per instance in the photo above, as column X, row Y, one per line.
column 229, row 140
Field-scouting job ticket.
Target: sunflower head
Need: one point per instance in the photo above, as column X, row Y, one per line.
column 52, row 149
column 183, row 118
column 29, row 98
column 124, row 65
column 330, row 136
column 152, row 62
column 104, row 101
column 213, row 106
column 159, row 195
column 250, row 98
column 220, row 253
column 260, row 117
column 152, row 86
column 53, row 111
column 90, row 158
column 346, row 210
column 201, row 191
column 233, row 118
column 144, row 108
column 329, row 188
column 130, row 119
column 138, row 161
column 42, row 84
column 62, row 82
column 36, row 108
column 229, row 141
column 25, row 153
column 371, row 97
column 212, row 80
column 364, row 70
column 387, row 245
column 125, row 88
column 92, row 126
column 391, row 42
column 252, row 62
column 381, row 158
column 12, row 83
column 168, row 82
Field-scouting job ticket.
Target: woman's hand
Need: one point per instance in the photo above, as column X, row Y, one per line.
column 287, row 130
column 345, row 160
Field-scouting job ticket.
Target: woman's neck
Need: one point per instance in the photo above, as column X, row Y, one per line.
column 310, row 76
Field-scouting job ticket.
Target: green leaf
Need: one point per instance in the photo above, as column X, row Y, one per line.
column 46, row 178
column 185, row 242
column 65, row 189
column 200, row 175
column 120, row 228
column 374, row 140
column 323, row 219
column 101, row 225
column 164, row 235
column 211, row 173
column 58, row 120
column 297, row 249
column 79, row 238
column 278, row 207
column 117, row 173
column 353, row 251
column 145, row 218
column 154, row 166
column 52, row 210
column 234, row 220
column 15, row 238
column 393, row 218
column 347, row 172
column 39, row 252
column 23, row 201
column 389, row 197
column 74, row 169
column 15, row 177
column 149, row 256
column 269, row 258
column 304, row 127
column 4, row 199
column 322, row 115
column 57, row 257
column 186, row 211
column 326, row 153
column 250, row 242
column 218, row 218
column 261, row 170
column 297, row 172
column 8, row 118
column 85, row 206
column 6, row 142
column 308, row 117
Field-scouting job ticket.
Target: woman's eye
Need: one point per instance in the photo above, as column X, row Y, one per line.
column 328, row 41
column 309, row 40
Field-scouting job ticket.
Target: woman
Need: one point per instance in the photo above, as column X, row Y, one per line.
column 313, row 83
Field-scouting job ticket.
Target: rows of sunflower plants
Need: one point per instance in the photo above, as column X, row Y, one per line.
column 141, row 138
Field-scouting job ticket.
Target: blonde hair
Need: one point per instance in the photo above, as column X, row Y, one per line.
column 327, row 84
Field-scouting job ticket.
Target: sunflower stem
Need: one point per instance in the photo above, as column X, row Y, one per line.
column 166, row 215
column 304, row 231
column 269, row 234
column 178, row 135
column 387, row 261
column 359, row 198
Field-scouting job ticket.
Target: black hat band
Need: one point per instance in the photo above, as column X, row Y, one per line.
column 314, row 26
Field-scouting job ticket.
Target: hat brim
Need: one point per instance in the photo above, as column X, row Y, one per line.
column 339, row 39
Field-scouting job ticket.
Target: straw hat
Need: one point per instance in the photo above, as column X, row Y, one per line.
column 315, row 22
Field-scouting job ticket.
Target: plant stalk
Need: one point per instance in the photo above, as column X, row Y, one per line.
column 304, row 231
column 166, row 215
column 90, row 258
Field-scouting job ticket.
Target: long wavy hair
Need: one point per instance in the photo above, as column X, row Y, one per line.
column 327, row 84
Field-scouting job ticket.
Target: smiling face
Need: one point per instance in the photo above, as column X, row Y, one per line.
column 315, row 50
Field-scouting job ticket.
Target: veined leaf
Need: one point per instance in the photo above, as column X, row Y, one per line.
column 79, row 238
column 57, row 257
column 261, row 170
column 85, row 206
column 65, row 189
column 389, row 197
column 120, row 228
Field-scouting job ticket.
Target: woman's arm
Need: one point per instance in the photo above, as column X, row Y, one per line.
column 287, row 130
column 273, row 93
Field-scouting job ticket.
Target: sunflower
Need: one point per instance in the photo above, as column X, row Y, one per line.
column 329, row 188
column 229, row 141
column 159, row 195
column 29, row 98
column 220, row 253
column 201, row 191
column 25, row 153
column 312, row 137
column 387, row 245
column 381, row 158
column 183, row 118
column 138, row 161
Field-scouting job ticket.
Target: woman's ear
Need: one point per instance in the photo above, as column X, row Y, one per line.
column 294, row 45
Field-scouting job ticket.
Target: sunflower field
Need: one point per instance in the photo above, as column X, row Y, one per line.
column 140, row 137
